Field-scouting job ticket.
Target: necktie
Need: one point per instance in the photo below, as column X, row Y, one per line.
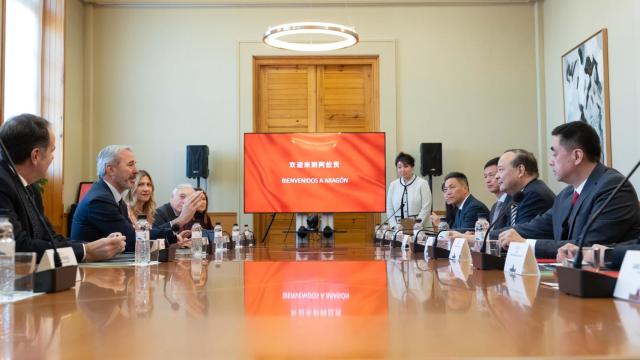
column 123, row 209
column 514, row 214
column 576, row 195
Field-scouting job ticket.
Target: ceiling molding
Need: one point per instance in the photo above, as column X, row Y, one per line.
column 293, row 3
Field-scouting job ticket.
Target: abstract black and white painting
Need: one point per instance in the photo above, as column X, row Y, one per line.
column 586, row 88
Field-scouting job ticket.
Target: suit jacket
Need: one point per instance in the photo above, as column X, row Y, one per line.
column 466, row 217
column 13, row 198
column 619, row 222
column 620, row 251
column 537, row 199
column 98, row 215
column 164, row 214
column 502, row 221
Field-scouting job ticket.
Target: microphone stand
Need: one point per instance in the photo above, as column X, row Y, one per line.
column 584, row 283
column 483, row 261
column 435, row 252
column 52, row 280
column 415, row 239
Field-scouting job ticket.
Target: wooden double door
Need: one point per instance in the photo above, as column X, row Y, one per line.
column 316, row 94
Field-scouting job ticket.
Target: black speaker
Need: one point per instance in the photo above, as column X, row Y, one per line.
column 197, row 161
column 431, row 159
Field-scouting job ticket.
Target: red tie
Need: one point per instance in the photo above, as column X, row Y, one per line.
column 575, row 197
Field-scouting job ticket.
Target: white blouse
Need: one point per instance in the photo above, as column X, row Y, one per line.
column 417, row 200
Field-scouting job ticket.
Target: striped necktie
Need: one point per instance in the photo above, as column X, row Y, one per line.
column 514, row 214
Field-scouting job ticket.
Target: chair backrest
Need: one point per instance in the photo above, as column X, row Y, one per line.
column 83, row 188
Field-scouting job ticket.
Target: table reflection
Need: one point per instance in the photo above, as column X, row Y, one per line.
column 27, row 327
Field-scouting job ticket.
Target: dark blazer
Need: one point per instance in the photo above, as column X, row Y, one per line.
column 13, row 198
column 537, row 199
column 467, row 217
column 619, row 222
column 98, row 215
column 503, row 220
column 620, row 251
column 163, row 215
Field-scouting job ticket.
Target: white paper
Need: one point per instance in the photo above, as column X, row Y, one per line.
column 628, row 284
column 520, row 260
column 405, row 241
column 67, row 258
column 460, row 250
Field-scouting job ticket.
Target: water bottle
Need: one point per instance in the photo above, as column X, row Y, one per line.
column 482, row 225
column 235, row 235
column 444, row 225
column 217, row 237
column 197, row 242
column 443, row 232
column 248, row 236
column 143, row 245
column 7, row 253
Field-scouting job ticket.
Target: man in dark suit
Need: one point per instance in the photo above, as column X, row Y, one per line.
column 182, row 206
column 503, row 199
column 30, row 142
column 467, row 207
column 518, row 172
column 103, row 210
column 575, row 160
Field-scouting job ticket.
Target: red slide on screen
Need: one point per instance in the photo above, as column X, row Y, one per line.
column 314, row 172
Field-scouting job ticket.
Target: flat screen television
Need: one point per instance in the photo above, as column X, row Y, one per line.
column 314, row 172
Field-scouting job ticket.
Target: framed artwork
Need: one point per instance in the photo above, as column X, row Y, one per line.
column 585, row 79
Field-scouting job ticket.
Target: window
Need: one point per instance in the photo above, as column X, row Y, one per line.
column 23, row 54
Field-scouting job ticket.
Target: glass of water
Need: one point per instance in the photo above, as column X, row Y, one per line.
column 25, row 265
column 493, row 247
column 142, row 251
column 197, row 247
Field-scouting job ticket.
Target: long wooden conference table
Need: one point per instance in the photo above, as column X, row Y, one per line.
column 357, row 302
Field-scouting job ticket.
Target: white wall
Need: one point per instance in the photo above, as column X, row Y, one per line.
column 161, row 78
column 569, row 22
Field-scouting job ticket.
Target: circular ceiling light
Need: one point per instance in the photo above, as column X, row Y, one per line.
column 341, row 36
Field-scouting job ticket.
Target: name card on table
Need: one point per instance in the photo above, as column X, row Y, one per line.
column 67, row 258
column 460, row 250
column 628, row 284
column 521, row 260
column 430, row 241
column 406, row 239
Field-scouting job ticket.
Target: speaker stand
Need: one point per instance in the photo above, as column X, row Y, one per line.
column 430, row 189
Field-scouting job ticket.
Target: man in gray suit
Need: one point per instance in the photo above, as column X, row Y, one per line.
column 575, row 160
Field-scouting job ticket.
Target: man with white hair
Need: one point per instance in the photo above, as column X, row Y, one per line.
column 182, row 206
column 103, row 211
